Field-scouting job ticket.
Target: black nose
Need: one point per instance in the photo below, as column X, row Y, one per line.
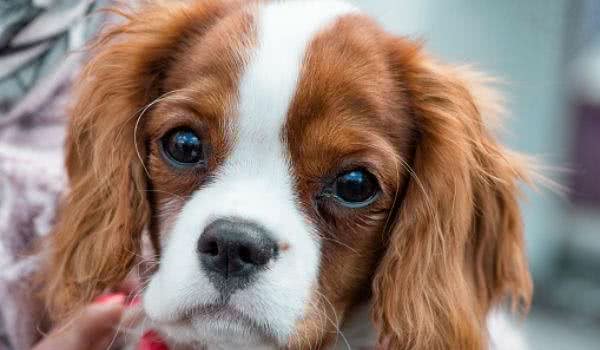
column 233, row 249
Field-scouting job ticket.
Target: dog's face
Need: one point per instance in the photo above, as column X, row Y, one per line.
column 273, row 171
column 290, row 161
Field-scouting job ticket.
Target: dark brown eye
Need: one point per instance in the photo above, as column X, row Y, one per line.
column 356, row 188
column 183, row 147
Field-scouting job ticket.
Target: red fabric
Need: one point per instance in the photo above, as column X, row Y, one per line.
column 152, row 341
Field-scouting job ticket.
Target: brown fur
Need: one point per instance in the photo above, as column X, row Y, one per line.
column 454, row 245
column 347, row 113
column 441, row 246
column 456, row 248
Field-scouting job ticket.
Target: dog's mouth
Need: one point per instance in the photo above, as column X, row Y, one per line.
column 215, row 312
column 219, row 324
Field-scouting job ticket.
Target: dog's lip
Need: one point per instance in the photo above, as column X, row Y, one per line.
column 222, row 312
column 214, row 310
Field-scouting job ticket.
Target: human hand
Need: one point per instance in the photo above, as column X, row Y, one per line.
column 93, row 328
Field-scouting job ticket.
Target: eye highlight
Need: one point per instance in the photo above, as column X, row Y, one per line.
column 183, row 147
column 356, row 188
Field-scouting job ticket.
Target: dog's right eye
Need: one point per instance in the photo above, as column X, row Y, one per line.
column 183, row 147
column 356, row 188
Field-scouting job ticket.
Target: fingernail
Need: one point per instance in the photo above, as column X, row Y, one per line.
column 152, row 341
column 110, row 299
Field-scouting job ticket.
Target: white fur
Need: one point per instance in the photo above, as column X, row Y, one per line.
column 504, row 335
column 254, row 183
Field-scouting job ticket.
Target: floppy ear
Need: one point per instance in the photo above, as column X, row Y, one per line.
column 97, row 236
column 456, row 246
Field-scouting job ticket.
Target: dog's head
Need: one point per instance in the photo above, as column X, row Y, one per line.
column 290, row 161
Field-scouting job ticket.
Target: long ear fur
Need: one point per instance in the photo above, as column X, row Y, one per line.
column 97, row 236
column 456, row 247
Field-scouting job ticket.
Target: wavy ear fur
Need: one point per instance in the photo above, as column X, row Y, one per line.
column 97, row 236
column 456, row 248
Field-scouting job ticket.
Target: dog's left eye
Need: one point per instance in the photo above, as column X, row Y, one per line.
column 355, row 189
column 183, row 147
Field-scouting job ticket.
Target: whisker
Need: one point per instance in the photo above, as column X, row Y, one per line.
column 180, row 197
column 336, row 323
column 340, row 243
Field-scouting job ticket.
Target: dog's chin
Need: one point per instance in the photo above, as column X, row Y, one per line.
column 218, row 328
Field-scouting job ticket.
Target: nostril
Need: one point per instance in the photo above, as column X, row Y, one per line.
column 209, row 247
column 245, row 255
column 212, row 248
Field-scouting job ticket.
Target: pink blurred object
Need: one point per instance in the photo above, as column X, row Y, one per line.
column 152, row 341
column 110, row 298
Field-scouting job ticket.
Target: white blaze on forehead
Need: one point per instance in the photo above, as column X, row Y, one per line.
column 285, row 29
column 256, row 174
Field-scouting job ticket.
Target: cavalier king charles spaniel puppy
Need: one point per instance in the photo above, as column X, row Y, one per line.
column 301, row 174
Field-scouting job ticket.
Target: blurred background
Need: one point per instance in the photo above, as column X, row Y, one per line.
column 547, row 53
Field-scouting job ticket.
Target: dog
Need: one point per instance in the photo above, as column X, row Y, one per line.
column 307, row 181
